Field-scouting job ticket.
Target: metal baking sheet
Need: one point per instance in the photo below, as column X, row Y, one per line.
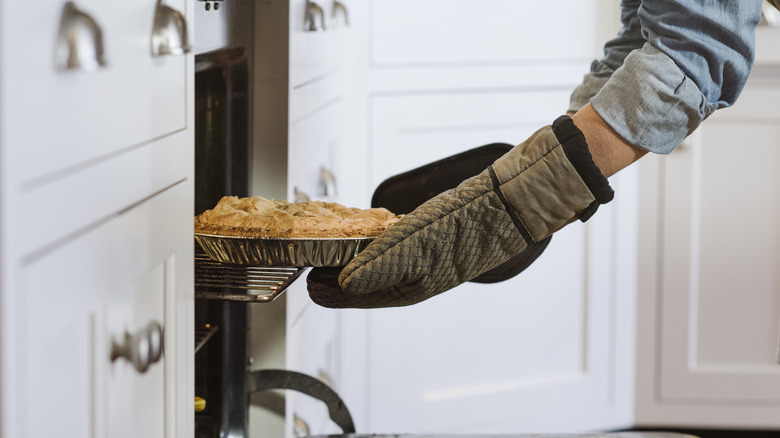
column 300, row 252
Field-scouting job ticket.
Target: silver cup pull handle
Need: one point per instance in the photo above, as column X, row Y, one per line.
column 327, row 184
column 300, row 196
column 79, row 42
column 169, row 31
column 340, row 13
column 314, row 21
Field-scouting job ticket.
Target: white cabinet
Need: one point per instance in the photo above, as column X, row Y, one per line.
column 95, row 226
column 549, row 350
column 410, row 33
column 713, row 295
column 81, row 298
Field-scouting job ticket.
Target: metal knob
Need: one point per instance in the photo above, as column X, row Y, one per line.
column 169, row 32
column 80, row 41
column 141, row 349
column 314, row 21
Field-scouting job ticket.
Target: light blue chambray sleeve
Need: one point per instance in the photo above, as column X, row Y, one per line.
column 629, row 38
column 695, row 58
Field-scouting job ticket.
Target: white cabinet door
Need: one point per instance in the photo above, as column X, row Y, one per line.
column 312, row 349
column 719, row 296
column 78, row 298
column 410, row 131
column 537, row 353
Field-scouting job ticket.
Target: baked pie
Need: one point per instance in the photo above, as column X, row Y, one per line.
column 260, row 217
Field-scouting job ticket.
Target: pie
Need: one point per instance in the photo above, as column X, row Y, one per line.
column 260, row 217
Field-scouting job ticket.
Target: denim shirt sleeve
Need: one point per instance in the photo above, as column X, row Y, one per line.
column 629, row 38
column 695, row 58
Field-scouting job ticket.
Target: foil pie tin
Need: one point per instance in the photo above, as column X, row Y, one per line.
column 266, row 251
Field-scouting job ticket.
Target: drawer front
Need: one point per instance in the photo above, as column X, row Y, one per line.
column 411, row 33
column 82, row 198
column 312, row 349
column 81, row 298
column 317, row 54
column 312, row 140
column 63, row 119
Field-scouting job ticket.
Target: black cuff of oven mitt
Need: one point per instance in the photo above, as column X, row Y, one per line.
column 575, row 147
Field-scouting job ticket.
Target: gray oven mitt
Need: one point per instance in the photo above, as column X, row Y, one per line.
column 529, row 193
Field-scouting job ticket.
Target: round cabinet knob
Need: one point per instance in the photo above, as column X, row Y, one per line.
column 141, row 349
column 154, row 332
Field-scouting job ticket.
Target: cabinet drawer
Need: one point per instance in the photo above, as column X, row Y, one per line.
column 317, row 54
column 312, row 349
column 409, row 131
column 134, row 98
column 312, row 139
column 79, row 199
column 80, row 297
column 411, row 33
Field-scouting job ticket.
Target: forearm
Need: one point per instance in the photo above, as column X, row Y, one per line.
column 610, row 151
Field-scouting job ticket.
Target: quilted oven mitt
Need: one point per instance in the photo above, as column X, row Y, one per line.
column 537, row 188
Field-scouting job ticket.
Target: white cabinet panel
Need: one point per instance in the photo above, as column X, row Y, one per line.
column 508, row 357
column 64, row 119
column 708, row 273
column 721, row 289
column 317, row 54
column 409, row 33
column 312, row 140
column 81, row 296
column 80, row 199
column 312, row 349
column 411, row 130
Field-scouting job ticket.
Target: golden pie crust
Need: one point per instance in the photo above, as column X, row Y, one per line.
column 260, row 217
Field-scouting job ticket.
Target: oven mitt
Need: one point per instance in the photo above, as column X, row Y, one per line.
column 535, row 189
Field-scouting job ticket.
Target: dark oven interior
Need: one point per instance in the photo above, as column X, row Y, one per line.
column 222, row 145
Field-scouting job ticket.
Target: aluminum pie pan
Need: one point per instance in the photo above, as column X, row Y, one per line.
column 269, row 251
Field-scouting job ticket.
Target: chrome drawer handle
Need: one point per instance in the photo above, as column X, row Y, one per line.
column 142, row 349
column 770, row 14
column 300, row 196
column 340, row 13
column 169, row 32
column 327, row 184
column 80, row 41
column 314, row 21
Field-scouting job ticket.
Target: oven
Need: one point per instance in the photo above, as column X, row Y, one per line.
column 223, row 109
column 235, row 154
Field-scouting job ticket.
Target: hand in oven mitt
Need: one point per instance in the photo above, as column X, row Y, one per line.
column 535, row 189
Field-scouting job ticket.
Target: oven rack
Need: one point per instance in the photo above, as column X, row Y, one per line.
column 203, row 334
column 250, row 284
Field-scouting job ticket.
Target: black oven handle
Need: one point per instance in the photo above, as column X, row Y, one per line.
column 262, row 380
